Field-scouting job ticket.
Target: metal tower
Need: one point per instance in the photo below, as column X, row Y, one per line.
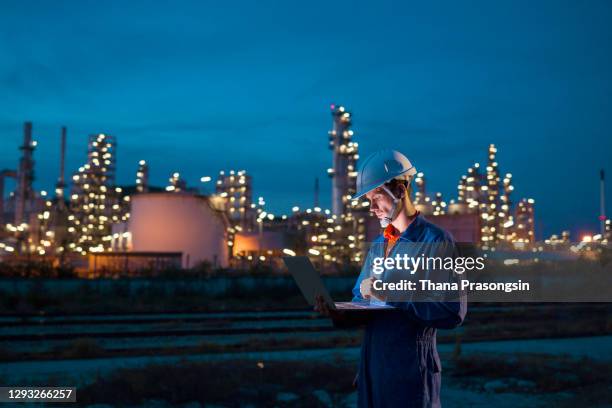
column 25, row 175
column 345, row 156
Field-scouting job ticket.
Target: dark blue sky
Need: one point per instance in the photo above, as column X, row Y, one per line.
column 197, row 87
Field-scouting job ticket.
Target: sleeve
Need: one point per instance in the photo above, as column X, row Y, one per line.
column 365, row 273
column 431, row 312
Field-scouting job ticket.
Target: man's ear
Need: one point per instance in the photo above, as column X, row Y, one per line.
column 403, row 192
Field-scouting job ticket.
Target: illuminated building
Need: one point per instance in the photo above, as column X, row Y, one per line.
column 506, row 220
column 565, row 237
column 486, row 195
column 439, row 205
column 177, row 183
column 344, row 160
column 244, row 216
column 490, row 206
column 142, row 177
column 421, row 192
column 25, row 176
column 350, row 215
column 23, row 204
column 557, row 241
column 236, row 188
column 94, row 199
column 355, row 230
column 472, row 194
column 317, row 228
column 421, row 200
column 524, row 222
column 483, row 203
column 328, row 239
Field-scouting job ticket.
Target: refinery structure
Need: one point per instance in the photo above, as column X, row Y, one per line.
column 99, row 226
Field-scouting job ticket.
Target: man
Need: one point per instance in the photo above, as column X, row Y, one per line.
column 399, row 366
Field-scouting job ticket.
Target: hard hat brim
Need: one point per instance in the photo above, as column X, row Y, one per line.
column 410, row 172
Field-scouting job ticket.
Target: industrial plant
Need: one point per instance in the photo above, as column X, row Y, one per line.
column 100, row 227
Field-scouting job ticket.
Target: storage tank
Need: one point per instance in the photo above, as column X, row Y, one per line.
column 179, row 222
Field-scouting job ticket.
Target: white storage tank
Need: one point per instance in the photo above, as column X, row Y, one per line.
column 179, row 222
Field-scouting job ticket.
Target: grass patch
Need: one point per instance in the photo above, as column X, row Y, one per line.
column 82, row 348
column 231, row 383
column 5, row 354
column 531, row 373
column 89, row 348
column 257, row 344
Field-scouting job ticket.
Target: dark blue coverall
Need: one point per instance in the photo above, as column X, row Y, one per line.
column 400, row 365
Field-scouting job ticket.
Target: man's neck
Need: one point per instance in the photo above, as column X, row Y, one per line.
column 405, row 217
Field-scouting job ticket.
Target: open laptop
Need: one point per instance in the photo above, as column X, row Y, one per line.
column 310, row 283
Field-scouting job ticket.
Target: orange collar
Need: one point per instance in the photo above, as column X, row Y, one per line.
column 392, row 234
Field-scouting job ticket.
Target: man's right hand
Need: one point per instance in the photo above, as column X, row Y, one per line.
column 340, row 318
column 322, row 307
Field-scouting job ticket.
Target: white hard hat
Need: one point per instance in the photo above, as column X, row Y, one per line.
column 380, row 168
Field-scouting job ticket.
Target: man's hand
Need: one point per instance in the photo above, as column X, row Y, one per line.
column 321, row 306
column 367, row 290
column 340, row 318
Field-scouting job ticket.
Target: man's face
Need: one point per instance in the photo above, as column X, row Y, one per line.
column 380, row 202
